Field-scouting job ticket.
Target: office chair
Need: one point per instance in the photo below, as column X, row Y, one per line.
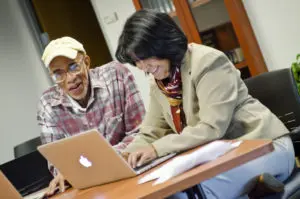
column 277, row 90
column 27, row 147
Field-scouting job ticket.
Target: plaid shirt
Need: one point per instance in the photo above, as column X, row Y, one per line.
column 115, row 108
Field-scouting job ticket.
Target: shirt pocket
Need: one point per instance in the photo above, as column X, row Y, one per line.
column 114, row 127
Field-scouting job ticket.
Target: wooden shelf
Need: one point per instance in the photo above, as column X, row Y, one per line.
column 199, row 3
column 193, row 5
column 173, row 14
column 241, row 64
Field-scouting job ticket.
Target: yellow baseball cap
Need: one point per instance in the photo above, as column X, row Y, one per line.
column 64, row 46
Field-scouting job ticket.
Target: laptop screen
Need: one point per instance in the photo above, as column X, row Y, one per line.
column 28, row 173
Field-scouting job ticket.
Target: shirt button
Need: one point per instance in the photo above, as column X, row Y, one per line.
column 119, row 119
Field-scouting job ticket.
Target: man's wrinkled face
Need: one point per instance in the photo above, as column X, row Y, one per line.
column 72, row 75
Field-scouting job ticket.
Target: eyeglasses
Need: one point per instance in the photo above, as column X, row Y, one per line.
column 60, row 75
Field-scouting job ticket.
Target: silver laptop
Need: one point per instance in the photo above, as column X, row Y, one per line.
column 87, row 159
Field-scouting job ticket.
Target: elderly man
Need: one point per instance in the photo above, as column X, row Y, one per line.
column 105, row 98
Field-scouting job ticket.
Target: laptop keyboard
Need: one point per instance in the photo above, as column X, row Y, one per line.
column 153, row 163
column 34, row 187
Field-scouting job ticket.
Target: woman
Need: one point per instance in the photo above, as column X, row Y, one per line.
column 197, row 96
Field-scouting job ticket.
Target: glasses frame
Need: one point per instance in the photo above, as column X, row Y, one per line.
column 66, row 72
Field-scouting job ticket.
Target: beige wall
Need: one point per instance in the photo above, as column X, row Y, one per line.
column 22, row 80
column 276, row 26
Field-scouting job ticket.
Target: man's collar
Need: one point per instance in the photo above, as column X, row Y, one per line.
column 95, row 80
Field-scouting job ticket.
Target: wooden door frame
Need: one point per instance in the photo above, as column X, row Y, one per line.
column 187, row 21
column 137, row 4
column 246, row 37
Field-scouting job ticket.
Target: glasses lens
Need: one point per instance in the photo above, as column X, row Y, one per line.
column 73, row 68
column 59, row 76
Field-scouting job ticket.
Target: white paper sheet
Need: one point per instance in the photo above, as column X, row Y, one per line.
column 36, row 195
column 181, row 164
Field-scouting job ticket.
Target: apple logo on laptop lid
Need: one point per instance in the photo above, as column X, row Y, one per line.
column 85, row 162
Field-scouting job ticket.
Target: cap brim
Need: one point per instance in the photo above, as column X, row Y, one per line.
column 65, row 52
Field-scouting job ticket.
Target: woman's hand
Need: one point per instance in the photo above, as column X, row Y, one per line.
column 142, row 156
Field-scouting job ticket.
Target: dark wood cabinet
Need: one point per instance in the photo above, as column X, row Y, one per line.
column 221, row 24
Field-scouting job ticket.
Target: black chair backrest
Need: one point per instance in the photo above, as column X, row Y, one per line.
column 27, row 147
column 277, row 90
column 28, row 173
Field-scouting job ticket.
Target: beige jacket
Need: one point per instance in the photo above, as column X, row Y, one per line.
column 216, row 105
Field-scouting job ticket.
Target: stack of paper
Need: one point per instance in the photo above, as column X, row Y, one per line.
column 183, row 163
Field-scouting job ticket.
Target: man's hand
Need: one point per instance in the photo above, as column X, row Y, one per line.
column 142, row 156
column 125, row 155
column 58, row 180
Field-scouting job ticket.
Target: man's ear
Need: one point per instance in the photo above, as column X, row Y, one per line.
column 87, row 61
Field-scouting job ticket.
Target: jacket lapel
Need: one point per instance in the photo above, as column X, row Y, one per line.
column 162, row 99
column 186, row 85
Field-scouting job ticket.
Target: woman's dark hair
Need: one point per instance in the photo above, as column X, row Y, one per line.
column 148, row 33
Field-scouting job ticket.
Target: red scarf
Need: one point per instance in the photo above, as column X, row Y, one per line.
column 173, row 90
